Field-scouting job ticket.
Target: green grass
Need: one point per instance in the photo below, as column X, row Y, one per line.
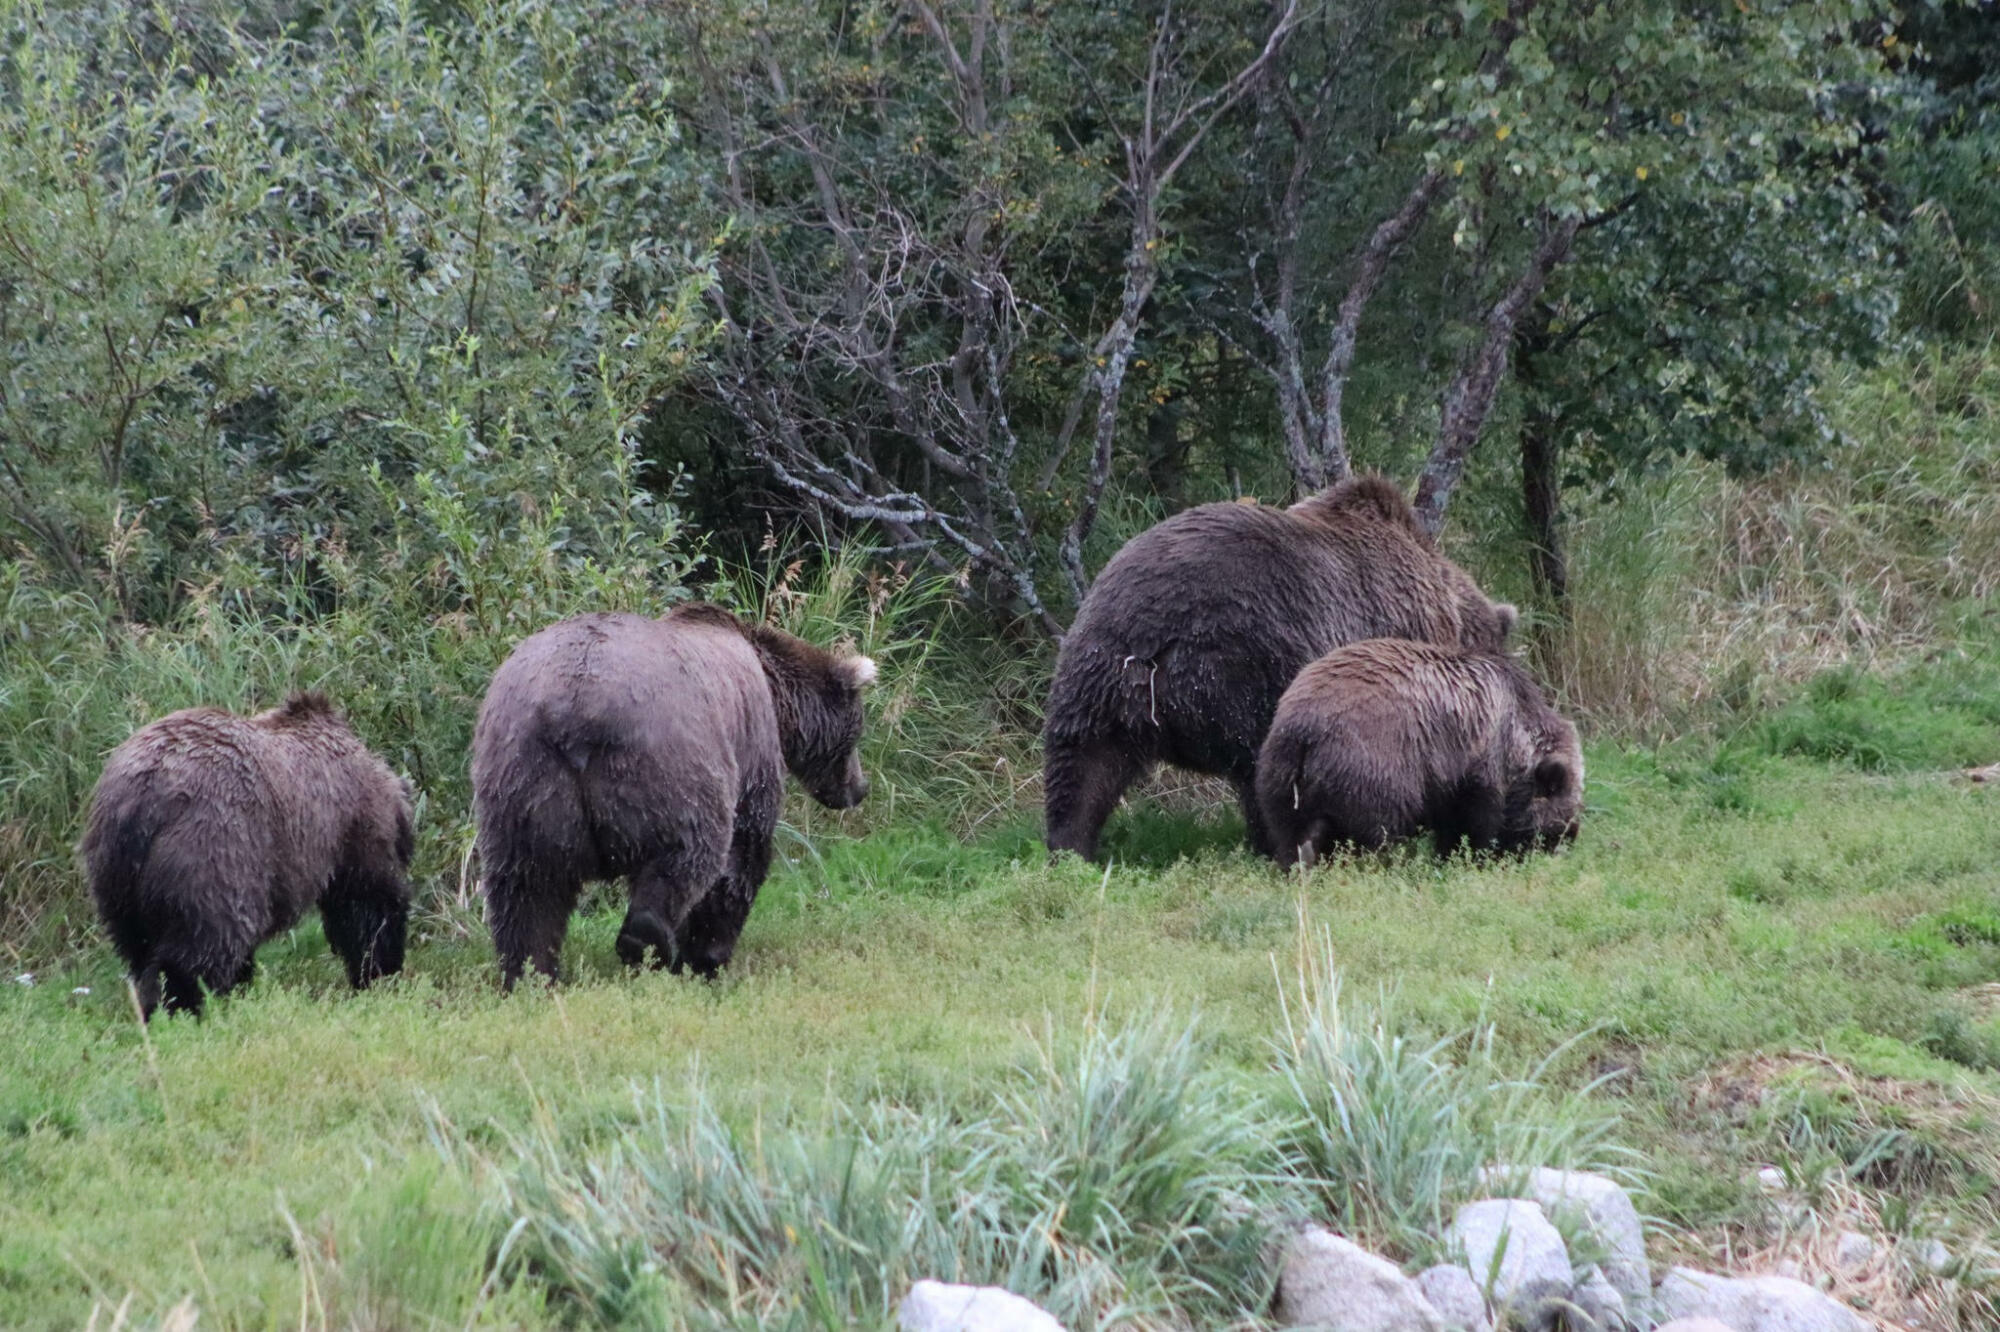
column 302, row 1144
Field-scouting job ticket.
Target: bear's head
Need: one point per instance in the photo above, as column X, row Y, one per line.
column 818, row 698
column 1555, row 784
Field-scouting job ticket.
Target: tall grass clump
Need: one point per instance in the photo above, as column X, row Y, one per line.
column 1112, row 1183
column 1698, row 596
column 1393, row 1130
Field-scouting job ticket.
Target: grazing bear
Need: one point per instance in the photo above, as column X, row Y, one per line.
column 1382, row 737
column 1193, row 630
column 615, row 744
column 210, row 833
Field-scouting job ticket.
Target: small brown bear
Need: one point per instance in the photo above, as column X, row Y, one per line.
column 1186, row 640
column 210, row 833
column 1380, row 738
column 614, row 744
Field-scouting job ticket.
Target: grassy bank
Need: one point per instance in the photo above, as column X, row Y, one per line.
column 1747, row 959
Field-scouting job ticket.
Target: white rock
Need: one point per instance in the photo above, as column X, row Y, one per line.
column 1600, row 1302
column 1754, row 1304
column 1455, row 1295
column 1330, row 1282
column 934, row 1306
column 1853, row 1251
column 1596, row 1207
column 1772, row 1178
column 25, row 978
column 1532, row 1263
column 1694, row 1325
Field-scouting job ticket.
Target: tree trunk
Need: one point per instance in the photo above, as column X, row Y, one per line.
column 1541, row 466
column 1541, row 500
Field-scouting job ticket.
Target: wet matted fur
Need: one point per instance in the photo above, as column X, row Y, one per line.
column 1186, row 640
column 209, row 833
column 1381, row 738
column 616, row 745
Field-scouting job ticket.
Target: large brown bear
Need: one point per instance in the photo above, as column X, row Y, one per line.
column 1380, row 738
column 210, row 833
column 615, row 744
column 1195, row 627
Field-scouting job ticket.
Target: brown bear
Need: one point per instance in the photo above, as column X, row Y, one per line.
column 210, row 833
column 1193, row 630
column 1382, row 737
column 613, row 744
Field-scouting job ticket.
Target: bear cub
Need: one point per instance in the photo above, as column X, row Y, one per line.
column 1384, row 737
column 210, row 833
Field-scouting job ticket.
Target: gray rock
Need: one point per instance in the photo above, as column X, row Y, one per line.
column 1754, row 1304
column 934, row 1306
column 1933, row 1257
column 1329, row 1282
column 1511, row 1240
column 1694, row 1325
column 1772, row 1178
column 1592, row 1205
column 1600, row 1302
column 1853, row 1251
column 1455, row 1295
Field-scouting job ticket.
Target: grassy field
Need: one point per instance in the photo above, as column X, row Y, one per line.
column 1748, row 958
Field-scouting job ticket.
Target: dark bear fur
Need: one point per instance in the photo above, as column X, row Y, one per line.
column 615, row 744
column 210, row 833
column 1378, row 739
column 1193, row 630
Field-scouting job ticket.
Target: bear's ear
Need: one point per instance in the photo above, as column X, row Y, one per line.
column 1509, row 617
column 1551, row 777
column 860, row 671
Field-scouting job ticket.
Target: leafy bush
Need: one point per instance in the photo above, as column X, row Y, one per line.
column 260, row 291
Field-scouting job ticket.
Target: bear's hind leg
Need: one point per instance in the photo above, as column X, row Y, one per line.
column 529, row 914
column 644, row 928
column 1256, row 831
column 664, row 891
column 708, row 935
column 181, row 989
column 188, row 980
column 1081, row 785
column 146, row 988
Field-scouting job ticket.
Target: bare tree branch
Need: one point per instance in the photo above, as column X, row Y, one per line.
column 1470, row 397
column 1331, row 447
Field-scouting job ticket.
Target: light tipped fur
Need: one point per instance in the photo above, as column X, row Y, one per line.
column 860, row 670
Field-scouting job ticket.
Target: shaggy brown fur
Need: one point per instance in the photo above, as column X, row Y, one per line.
column 1380, row 738
column 1193, row 630
column 210, row 833
column 614, row 745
